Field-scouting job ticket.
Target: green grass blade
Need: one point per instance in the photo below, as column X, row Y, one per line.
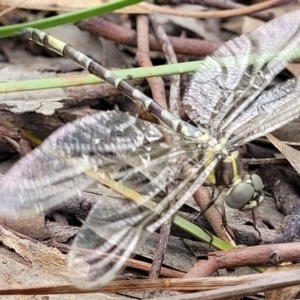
column 78, row 80
column 72, row 17
column 200, row 234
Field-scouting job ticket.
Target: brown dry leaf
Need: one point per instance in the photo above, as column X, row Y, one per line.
column 140, row 8
column 233, row 24
column 294, row 68
column 192, row 24
column 241, row 25
column 67, row 6
column 292, row 155
column 246, row 24
column 61, row 5
column 283, row 9
column 250, row 24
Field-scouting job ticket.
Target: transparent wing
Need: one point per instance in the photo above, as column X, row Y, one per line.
column 216, row 79
column 133, row 154
column 107, row 143
column 272, row 109
column 231, row 79
column 109, row 237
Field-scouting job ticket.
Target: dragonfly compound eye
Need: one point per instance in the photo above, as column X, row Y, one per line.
column 257, row 183
column 240, row 195
column 247, row 194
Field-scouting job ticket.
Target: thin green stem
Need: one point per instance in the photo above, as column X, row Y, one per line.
column 72, row 17
column 78, row 80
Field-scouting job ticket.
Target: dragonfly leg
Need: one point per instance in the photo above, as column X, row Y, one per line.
column 215, row 195
column 254, row 222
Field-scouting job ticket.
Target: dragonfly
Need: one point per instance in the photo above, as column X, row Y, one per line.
column 229, row 102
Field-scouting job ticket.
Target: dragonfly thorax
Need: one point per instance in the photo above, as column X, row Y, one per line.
column 244, row 191
column 217, row 147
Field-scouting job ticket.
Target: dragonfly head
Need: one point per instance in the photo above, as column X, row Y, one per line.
column 246, row 193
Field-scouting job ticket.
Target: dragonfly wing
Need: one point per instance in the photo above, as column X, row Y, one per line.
column 105, row 241
column 216, row 79
column 104, row 143
column 111, row 146
column 110, row 236
column 232, row 78
column 272, row 109
column 274, row 46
